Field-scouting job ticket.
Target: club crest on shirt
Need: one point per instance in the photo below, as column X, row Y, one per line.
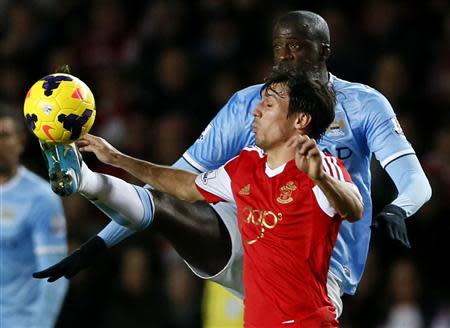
column 286, row 193
column 245, row 191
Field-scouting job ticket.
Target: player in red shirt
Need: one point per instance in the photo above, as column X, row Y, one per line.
column 289, row 207
column 288, row 230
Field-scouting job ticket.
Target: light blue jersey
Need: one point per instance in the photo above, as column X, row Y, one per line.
column 365, row 123
column 32, row 237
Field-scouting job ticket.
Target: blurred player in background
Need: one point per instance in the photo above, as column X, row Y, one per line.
column 290, row 199
column 364, row 124
column 32, row 235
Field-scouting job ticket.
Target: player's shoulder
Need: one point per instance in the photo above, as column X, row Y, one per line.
column 334, row 166
column 241, row 104
column 354, row 91
column 252, row 151
column 33, row 183
column 247, row 158
column 326, row 156
column 250, row 93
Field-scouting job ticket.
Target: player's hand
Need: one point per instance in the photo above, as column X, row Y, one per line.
column 392, row 221
column 104, row 151
column 307, row 156
column 79, row 260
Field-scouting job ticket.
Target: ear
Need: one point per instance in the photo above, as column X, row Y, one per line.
column 325, row 51
column 302, row 122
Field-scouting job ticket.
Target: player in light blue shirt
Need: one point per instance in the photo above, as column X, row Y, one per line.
column 365, row 124
column 32, row 236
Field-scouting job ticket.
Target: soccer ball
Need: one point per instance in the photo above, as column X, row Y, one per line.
column 59, row 108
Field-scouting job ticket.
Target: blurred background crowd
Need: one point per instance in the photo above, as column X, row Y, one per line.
column 160, row 70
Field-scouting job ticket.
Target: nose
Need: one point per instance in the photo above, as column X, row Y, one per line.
column 257, row 110
column 284, row 54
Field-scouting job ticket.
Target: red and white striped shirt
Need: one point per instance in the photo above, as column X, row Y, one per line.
column 288, row 230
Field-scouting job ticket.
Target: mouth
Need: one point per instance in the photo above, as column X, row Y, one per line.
column 254, row 128
column 287, row 68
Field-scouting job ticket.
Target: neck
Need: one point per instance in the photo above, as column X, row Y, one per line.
column 6, row 175
column 279, row 156
column 321, row 73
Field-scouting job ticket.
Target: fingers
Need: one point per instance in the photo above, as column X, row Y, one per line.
column 54, row 278
column 84, row 142
column 307, row 147
column 41, row 274
column 89, row 143
column 53, row 273
column 46, row 273
column 406, row 242
column 396, row 231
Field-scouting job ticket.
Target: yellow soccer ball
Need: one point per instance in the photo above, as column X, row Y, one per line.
column 59, row 108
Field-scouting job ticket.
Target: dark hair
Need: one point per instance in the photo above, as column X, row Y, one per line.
column 306, row 95
column 8, row 111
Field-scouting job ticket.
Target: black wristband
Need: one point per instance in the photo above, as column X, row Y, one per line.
column 391, row 208
column 93, row 246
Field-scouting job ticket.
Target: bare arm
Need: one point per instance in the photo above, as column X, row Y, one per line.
column 179, row 183
column 343, row 196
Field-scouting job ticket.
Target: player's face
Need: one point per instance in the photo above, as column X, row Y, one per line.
column 11, row 146
column 293, row 49
column 271, row 124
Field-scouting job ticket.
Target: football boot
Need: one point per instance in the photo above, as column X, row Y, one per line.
column 64, row 167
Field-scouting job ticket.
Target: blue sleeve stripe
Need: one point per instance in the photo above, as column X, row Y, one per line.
column 393, row 157
column 114, row 233
column 193, row 163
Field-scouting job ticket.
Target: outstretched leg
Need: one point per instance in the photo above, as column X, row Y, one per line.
column 195, row 230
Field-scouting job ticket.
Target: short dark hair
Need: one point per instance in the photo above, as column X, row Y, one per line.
column 9, row 111
column 306, row 95
column 307, row 22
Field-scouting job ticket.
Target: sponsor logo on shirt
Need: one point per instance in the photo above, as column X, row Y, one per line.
column 262, row 219
column 336, row 129
column 286, row 193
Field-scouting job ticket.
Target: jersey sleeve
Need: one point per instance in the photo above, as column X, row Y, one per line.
column 385, row 137
column 337, row 170
column 227, row 134
column 215, row 185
